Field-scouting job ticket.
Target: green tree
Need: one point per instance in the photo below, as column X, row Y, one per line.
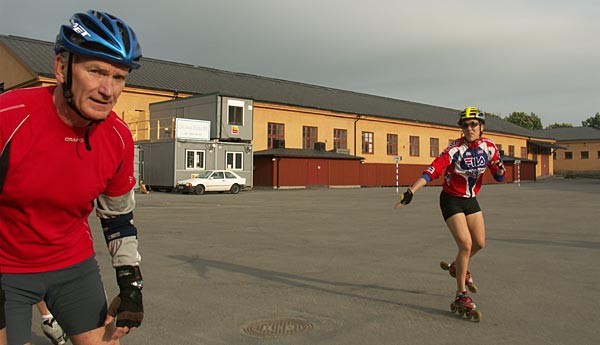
column 531, row 121
column 559, row 125
column 593, row 122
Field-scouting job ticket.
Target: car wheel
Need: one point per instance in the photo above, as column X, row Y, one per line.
column 234, row 189
column 199, row 189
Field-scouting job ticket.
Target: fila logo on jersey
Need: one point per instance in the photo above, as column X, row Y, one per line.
column 473, row 162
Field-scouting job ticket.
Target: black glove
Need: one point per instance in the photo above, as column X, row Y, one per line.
column 500, row 164
column 128, row 306
column 406, row 198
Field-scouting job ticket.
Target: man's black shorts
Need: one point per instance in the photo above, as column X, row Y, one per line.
column 75, row 295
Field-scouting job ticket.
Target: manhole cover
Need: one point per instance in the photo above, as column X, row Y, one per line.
column 279, row 327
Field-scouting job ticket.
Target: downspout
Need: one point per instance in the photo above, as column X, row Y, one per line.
column 278, row 186
column 219, row 113
column 355, row 121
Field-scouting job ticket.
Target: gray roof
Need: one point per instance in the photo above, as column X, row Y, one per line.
column 283, row 152
column 571, row 134
column 178, row 77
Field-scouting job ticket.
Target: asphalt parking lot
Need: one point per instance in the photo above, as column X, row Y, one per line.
column 341, row 266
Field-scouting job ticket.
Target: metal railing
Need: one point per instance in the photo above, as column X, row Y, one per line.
column 152, row 130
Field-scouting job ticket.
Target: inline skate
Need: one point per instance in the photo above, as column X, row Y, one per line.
column 451, row 268
column 463, row 306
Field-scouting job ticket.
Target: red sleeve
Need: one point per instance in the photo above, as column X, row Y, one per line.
column 123, row 180
column 494, row 156
column 439, row 164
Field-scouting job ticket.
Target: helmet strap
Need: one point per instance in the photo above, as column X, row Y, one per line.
column 66, row 86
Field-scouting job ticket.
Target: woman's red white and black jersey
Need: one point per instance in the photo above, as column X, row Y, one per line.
column 465, row 164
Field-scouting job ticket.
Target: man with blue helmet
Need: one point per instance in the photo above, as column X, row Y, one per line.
column 68, row 138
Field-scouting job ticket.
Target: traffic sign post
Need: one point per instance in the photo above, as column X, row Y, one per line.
column 397, row 159
column 518, row 164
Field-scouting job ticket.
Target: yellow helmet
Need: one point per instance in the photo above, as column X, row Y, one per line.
column 471, row 113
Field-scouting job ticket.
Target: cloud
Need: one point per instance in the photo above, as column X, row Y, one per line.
column 532, row 56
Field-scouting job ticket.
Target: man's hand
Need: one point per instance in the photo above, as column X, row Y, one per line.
column 127, row 307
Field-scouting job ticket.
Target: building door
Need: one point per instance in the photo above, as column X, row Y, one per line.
column 317, row 172
column 545, row 165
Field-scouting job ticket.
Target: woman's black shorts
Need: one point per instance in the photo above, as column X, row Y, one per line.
column 451, row 205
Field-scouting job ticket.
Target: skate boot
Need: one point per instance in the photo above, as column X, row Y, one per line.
column 463, row 305
column 54, row 332
column 451, row 268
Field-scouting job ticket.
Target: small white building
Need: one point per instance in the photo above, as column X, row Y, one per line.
column 189, row 135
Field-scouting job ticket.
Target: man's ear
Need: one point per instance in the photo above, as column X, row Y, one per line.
column 60, row 68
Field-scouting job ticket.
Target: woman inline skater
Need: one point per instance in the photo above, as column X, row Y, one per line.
column 464, row 161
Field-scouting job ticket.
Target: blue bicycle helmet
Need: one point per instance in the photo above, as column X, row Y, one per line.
column 100, row 35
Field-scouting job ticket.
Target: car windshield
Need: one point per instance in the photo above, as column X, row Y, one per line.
column 205, row 174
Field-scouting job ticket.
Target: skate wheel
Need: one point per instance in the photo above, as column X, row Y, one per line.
column 453, row 307
column 461, row 311
column 476, row 316
column 444, row 265
column 473, row 288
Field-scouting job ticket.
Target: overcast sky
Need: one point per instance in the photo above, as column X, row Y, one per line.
column 502, row 56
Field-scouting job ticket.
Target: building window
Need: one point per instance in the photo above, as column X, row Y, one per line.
column 309, row 137
column 499, row 146
column 392, row 144
column 235, row 112
column 523, row 152
column 434, row 147
column 275, row 131
column 568, row 155
column 598, row 154
column 511, row 150
column 234, row 160
column 194, row 159
column 340, row 138
column 585, row 155
column 414, row 146
column 367, row 142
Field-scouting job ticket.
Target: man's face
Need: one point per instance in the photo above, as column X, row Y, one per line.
column 96, row 84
